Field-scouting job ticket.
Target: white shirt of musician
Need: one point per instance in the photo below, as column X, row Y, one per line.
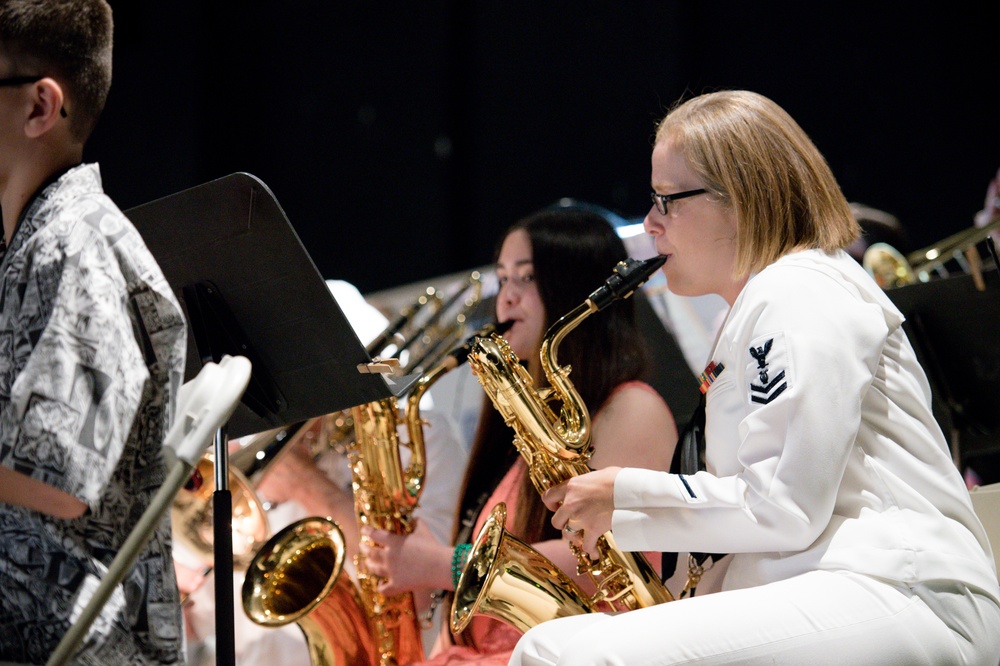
column 822, row 450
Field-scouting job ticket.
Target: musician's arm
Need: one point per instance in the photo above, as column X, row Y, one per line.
column 296, row 477
column 22, row 490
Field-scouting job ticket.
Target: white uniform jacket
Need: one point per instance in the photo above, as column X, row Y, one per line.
column 822, row 451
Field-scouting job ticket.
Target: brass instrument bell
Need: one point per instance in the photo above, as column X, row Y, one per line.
column 891, row 268
column 508, row 580
column 191, row 515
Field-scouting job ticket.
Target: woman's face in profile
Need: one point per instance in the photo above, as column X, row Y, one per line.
column 697, row 235
column 519, row 300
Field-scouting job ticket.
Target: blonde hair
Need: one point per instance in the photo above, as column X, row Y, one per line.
column 753, row 157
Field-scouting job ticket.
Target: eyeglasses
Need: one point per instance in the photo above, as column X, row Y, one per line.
column 661, row 200
column 13, row 81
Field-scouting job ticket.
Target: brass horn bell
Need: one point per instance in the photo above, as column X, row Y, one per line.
column 298, row 576
column 508, row 580
column 891, row 268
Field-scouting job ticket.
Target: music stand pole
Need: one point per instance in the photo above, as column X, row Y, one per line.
column 222, row 512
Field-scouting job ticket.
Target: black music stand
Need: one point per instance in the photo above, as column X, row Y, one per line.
column 249, row 288
column 955, row 330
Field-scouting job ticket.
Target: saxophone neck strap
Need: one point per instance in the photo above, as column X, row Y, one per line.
column 689, row 458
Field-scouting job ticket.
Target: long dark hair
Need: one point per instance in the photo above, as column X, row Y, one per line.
column 572, row 253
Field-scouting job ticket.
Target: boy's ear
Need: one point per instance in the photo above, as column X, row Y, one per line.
column 47, row 105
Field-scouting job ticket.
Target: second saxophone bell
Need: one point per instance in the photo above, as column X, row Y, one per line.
column 509, row 580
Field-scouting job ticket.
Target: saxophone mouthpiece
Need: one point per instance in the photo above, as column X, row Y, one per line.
column 628, row 276
column 461, row 354
column 499, row 327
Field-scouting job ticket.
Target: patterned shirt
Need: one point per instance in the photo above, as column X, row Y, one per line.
column 92, row 345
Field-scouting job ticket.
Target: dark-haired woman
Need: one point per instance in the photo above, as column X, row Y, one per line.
column 547, row 264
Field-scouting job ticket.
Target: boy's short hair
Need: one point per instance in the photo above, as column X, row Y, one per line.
column 69, row 40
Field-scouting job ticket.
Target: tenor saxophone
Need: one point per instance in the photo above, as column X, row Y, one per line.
column 558, row 447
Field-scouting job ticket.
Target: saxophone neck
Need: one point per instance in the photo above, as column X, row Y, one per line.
column 414, row 421
column 574, row 420
column 628, row 275
column 549, row 350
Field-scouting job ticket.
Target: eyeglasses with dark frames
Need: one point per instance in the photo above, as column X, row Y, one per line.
column 14, row 81
column 661, row 200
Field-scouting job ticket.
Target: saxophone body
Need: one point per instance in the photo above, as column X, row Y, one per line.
column 385, row 495
column 557, row 447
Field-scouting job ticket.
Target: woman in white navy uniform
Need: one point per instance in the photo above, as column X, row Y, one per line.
column 852, row 533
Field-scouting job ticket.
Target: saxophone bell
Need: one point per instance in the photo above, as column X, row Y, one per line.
column 508, row 580
column 297, row 576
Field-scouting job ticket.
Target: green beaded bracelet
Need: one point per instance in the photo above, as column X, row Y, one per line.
column 458, row 558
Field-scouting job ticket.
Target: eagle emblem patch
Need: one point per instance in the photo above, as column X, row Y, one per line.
column 767, row 369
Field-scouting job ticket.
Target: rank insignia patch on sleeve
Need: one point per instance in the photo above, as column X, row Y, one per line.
column 767, row 369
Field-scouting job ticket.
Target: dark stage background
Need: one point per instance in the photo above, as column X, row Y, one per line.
column 401, row 138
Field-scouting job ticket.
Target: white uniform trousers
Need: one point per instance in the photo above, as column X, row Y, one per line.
column 817, row 618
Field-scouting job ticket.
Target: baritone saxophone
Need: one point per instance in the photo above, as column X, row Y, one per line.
column 558, row 447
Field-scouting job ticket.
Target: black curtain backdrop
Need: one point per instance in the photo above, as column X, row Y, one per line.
column 402, row 138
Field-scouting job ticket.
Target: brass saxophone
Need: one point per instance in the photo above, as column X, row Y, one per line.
column 557, row 448
column 385, row 495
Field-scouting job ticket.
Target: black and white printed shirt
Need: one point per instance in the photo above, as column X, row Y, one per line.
column 92, row 345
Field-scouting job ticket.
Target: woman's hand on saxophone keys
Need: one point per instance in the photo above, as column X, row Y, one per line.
column 583, row 507
column 406, row 562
